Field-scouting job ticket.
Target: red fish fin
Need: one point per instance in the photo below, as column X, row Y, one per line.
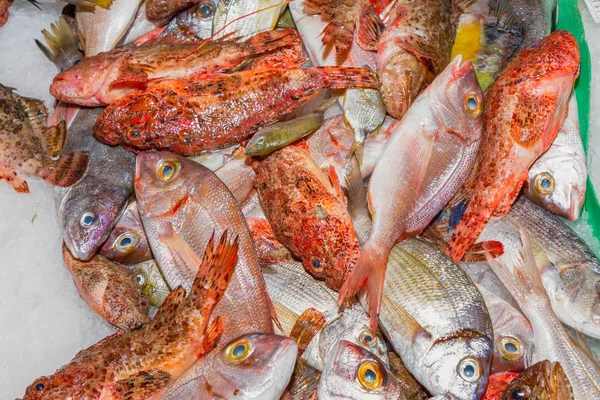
column 477, row 252
column 368, row 273
column 506, row 203
column 171, row 303
column 335, row 182
column 369, row 29
column 149, row 37
column 14, row 180
column 54, row 139
column 181, row 251
column 211, row 335
column 68, row 170
column 274, row 317
column 141, row 385
column 134, row 76
column 344, row 78
column 271, row 40
column 306, row 327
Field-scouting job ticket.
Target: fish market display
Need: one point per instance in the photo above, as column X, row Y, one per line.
column 89, row 210
column 110, row 289
column 29, row 148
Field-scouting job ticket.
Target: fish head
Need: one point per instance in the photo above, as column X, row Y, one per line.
column 544, row 380
column 198, row 19
column 88, row 215
column 61, row 385
column 357, row 374
column 457, row 101
column 459, row 365
column 254, row 366
column 153, row 284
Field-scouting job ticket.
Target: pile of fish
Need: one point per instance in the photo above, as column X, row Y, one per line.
column 341, row 199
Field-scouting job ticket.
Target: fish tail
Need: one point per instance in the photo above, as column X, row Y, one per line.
column 368, row 273
column 344, row 77
column 67, row 170
column 61, row 43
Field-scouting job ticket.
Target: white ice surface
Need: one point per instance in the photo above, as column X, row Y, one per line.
column 43, row 322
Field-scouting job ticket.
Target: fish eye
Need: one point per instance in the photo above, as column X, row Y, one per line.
column 167, row 170
column 518, row 394
column 261, row 140
column 39, row 387
column 510, row 348
column 87, row 219
column 126, row 242
column 238, row 351
column 473, row 103
column 206, row 9
column 469, row 369
column 366, row 339
column 134, row 133
column 370, row 375
column 533, row 46
column 544, row 183
column 316, row 263
column 140, row 279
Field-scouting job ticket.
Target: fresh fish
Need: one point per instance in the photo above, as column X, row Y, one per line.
column 307, row 211
column 181, row 203
column 62, row 45
column 497, row 383
column 164, row 10
column 110, row 289
column 544, row 380
column 293, row 292
column 127, row 243
column 142, row 362
column 483, row 276
column 231, row 107
column 29, row 148
column 513, row 335
column 238, row 175
column 552, row 342
column 148, row 277
column 538, row 81
column 101, row 29
column 89, row 210
column 427, row 159
column 436, row 320
column 268, row 249
column 244, row 18
column 557, row 180
column 410, row 386
column 353, row 372
column 193, row 23
column 108, row 77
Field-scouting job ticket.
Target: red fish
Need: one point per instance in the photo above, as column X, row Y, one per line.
column 497, row 383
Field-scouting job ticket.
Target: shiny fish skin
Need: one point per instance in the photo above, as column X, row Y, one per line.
column 194, row 23
column 102, row 193
column 258, row 16
column 441, row 298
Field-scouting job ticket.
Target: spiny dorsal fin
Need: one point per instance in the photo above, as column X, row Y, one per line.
column 369, row 29
column 307, row 326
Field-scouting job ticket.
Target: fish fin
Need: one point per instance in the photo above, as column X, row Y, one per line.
column 369, row 29
column 151, row 37
column 346, row 77
column 504, row 15
column 477, row 252
column 412, row 330
column 462, row 5
column 580, row 341
column 141, row 385
column 14, row 180
column 264, row 42
column 335, row 182
column 54, row 139
column 91, row 3
column 171, row 303
column 37, row 113
column 132, row 76
column 211, row 335
column 274, row 317
column 306, row 327
column 368, row 273
column 67, row 170
column 61, row 43
column 357, row 200
column 181, row 251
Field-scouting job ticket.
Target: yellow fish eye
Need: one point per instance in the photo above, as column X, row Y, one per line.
column 367, row 339
column 510, row 348
column 544, row 183
column 167, row 170
column 127, row 242
column 370, row 375
column 205, row 9
column 473, row 104
column 238, row 351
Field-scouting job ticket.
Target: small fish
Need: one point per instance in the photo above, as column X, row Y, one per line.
column 89, row 210
column 127, row 243
column 108, row 77
column 552, row 342
column 538, row 81
column 557, row 180
column 353, row 372
column 497, row 383
column 427, row 159
column 30, row 148
column 148, row 277
column 244, row 18
column 110, row 289
column 101, row 29
column 307, row 211
column 142, row 362
column 230, row 106
column 62, row 45
column 544, row 380
column 268, row 248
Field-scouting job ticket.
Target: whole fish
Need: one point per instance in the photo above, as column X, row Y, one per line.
column 108, row 77
column 436, row 320
column 101, row 29
column 110, row 289
column 307, row 211
column 497, row 383
column 536, row 82
column 244, row 18
column 142, row 362
column 544, row 380
column 153, row 285
column 164, row 10
column 427, row 159
column 194, row 117
column 89, row 210
column 552, row 342
column 353, row 372
column 29, row 148
column 181, row 203
column 513, row 335
column 62, row 45
column 557, row 180
column 127, row 243
column 268, row 249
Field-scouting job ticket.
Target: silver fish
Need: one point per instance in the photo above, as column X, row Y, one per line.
column 253, row 22
column 90, row 209
column 193, row 23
